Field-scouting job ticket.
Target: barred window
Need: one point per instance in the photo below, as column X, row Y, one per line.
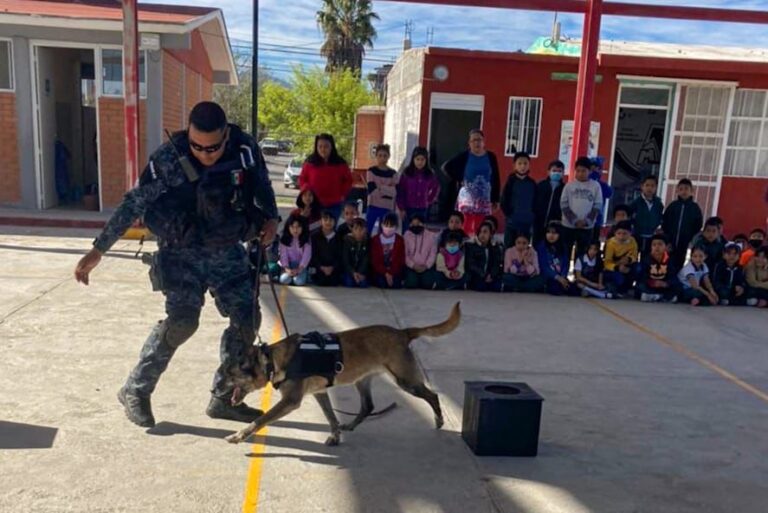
column 747, row 147
column 523, row 126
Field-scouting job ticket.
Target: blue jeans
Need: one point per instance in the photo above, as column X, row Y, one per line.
column 375, row 214
column 349, row 281
column 299, row 280
column 381, row 282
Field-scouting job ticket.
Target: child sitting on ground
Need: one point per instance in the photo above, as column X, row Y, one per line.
column 728, row 277
column 420, row 255
column 484, row 259
column 521, row 267
column 388, row 254
column 711, row 242
column 694, row 278
column 658, row 277
column 756, row 239
column 757, row 277
column 588, row 270
column 355, row 255
column 554, row 261
column 325, row 266
column 295, row 251
column 450, row 263
column 620, row 259
column 455, row 225
column 349, row 213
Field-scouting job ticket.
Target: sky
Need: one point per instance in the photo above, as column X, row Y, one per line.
column 289, row 34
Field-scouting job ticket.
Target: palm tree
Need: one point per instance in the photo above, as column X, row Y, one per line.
column 348, row 29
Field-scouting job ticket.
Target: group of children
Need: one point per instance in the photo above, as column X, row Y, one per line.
column 644, row 254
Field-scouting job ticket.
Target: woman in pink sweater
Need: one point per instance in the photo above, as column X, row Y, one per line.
column 420, row 255
column 521, row 267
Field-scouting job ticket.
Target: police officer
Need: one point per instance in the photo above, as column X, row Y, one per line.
column 203, row 193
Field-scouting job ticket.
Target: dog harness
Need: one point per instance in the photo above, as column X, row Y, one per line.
column 318, row 354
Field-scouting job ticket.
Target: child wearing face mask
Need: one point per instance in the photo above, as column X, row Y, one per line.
column 450, row 264
column 756, row 239
column 518, row 200
column 420, row 255
column 485, row 259
column 547, row 204
column 388, row 254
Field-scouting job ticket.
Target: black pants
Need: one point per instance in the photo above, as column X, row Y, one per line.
column 579, row 237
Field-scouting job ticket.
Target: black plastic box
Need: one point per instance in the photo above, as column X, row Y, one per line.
column 501, row 419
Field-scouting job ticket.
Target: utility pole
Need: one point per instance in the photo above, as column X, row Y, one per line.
column 430, row 36
column 407, row 41
column 255, row 73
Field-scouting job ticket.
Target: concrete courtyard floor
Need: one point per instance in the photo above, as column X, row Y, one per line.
column 648, row 408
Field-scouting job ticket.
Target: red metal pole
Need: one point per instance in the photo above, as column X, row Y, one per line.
column 585, row 88
column 131, row 91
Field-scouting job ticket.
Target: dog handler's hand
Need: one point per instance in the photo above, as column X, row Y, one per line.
column 268, row 232
column 87, row 264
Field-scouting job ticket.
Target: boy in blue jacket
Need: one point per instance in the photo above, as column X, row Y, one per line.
column 519, row 200
column 647, row 214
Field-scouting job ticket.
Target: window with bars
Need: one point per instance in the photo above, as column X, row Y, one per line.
column 6, row 66
column 523, row 126
column 747, row 148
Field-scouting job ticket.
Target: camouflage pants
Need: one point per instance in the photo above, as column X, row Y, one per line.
column 187, row 275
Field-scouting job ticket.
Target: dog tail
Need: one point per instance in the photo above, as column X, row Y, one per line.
column 438, row 330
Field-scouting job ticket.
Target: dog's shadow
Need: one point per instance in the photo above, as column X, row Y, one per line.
column 327, row 455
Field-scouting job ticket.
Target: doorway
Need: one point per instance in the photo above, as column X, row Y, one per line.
column 66, row 138
column 640, row 141
column 452, row 116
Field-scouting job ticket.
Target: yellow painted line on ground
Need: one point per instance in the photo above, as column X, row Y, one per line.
column 684, row 351
column 252, row 483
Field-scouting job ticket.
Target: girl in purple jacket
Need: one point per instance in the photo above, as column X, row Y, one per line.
column 418, row 187
column 295, row 251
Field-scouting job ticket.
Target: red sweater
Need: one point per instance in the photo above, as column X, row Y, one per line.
column 330, row 183
column 397, row 260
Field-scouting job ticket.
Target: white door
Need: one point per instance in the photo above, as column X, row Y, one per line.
column 45, row 106
column 697, row 148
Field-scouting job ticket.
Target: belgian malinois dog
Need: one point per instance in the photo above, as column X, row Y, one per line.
column 367, row 351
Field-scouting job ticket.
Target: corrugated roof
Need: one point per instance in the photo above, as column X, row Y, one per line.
column 103, row 10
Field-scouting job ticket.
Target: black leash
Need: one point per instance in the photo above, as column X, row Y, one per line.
column 372, row 414
column 274, row 292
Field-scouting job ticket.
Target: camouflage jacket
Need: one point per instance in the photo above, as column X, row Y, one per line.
column 163, row 187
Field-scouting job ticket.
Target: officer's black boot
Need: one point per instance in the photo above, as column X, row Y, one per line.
column 221, row 408
column 137, row 408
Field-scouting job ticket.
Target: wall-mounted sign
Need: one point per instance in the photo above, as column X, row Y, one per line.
column 566, row 141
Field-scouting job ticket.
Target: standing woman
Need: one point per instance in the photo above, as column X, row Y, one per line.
column 327, row 175
column 476, row 174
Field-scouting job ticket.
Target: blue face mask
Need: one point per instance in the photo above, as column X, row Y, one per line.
column 452, row 249
column 555, row 176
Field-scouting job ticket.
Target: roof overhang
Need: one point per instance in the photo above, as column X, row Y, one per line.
column 213, row 32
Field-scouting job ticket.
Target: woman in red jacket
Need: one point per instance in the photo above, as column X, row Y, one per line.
column 388, row 254
column 327, row 175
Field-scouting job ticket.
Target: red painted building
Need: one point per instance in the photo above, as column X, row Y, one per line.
column 667, row 110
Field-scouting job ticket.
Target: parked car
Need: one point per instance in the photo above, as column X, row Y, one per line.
column 292, row 172
column 285, row 146
column 269, row 147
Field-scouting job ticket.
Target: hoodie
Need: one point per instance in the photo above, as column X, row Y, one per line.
column 725, row 277
column 553, row 260
column 417, row 191
column 382, row 187
column 581, row 201
column 326, row 252
column 420, row 249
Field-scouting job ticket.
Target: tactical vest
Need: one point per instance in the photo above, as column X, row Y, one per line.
column 215, row 211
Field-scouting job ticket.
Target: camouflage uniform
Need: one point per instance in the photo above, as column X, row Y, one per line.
column 199, row 232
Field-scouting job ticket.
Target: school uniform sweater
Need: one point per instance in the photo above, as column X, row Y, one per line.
column 295, row 255
column 382, row 187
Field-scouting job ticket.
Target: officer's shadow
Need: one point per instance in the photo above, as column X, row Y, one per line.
column 327, row 455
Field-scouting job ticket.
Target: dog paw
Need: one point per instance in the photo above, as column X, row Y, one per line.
column 347, row 427
column 234, row 438
column 333, row 440
column 438, row 422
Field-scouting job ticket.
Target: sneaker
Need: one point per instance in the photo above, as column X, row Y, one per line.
column 138, row 409
column 724, row 302
column 673, row 300
column 646, row 298
column 752, row 301
column 220, row 408
column 608, row 295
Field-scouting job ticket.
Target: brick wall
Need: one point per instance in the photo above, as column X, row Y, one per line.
column 206, row 89
column 369, row 130
column 112, row 141
column 10, row 175
column 191, row 89
column 173, row 93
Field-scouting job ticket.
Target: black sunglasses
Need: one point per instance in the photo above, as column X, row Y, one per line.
column 213, row 148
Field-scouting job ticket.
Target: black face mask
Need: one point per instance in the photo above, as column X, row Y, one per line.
column 756, row 243
column 417, row 230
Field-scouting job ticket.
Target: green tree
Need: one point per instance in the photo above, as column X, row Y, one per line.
column 315, row 102
column 348, row 29
column 236, row 100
